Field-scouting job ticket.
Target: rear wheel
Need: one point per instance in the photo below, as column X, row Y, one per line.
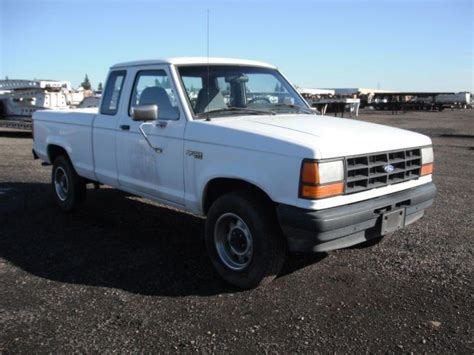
column 243, row 240
column 69, row 189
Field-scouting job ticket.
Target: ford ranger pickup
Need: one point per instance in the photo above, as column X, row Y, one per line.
column 233, row 141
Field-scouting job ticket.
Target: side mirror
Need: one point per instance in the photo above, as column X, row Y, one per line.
column 145, row 113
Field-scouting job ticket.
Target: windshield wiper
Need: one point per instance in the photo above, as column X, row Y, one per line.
column 300, row 108
column 236, row 110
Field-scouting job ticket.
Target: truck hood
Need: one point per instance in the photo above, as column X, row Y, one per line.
column 327, row 137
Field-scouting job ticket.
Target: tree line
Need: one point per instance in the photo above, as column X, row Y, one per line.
column 86, row 84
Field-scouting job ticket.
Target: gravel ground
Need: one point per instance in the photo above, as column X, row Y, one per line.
column 123, row 274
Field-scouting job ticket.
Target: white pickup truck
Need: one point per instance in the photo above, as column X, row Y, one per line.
column 233, row 140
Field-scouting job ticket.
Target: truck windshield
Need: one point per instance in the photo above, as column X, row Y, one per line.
column 222, row 90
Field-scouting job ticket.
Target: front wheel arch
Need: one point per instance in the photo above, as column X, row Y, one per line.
column 220, row 186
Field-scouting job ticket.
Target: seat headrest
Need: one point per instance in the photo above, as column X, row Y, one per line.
column 156, row 95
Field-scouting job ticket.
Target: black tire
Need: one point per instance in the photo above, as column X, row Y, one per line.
column 68, row 199
column 269, row 246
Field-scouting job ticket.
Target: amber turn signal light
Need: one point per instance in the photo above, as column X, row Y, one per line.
column 427, row 169
column 321, row 179
column 322, row 191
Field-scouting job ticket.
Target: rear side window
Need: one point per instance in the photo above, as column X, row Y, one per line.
column 112, row 93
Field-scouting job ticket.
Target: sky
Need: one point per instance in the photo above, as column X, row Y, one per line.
column 417, row 45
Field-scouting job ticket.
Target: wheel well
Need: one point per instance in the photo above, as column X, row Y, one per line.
column 55, row 151
column 220, row 186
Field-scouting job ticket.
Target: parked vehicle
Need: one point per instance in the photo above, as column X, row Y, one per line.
column 459, row 100
column 20, row 98
column 233, row 140
column 90, row 101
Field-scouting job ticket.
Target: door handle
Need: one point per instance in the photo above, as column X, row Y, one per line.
column 124, row 127
column 162, row 124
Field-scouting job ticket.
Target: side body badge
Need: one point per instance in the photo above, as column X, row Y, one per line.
column 195, row 154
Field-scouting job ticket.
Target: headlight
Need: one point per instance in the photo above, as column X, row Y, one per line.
column 426, row 155
column 321, row 179
column 427, row 160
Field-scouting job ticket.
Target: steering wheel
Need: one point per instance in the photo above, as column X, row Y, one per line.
column 259, row 99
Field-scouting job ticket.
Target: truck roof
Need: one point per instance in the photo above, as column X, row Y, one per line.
column 193, row 61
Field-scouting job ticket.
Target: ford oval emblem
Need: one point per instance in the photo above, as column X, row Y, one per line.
column 389, row 168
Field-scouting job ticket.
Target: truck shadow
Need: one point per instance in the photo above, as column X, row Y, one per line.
column 115, row 240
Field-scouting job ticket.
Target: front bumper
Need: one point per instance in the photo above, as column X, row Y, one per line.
column 344, row 226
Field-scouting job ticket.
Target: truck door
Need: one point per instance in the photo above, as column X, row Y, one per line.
column 104, row 130
column 155, row 167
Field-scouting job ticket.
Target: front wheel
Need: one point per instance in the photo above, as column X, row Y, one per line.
column 243, row 240
column 69, row 189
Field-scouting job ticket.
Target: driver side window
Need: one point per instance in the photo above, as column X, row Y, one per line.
column 153, row 87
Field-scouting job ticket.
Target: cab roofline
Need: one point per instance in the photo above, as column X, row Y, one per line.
column 193, row 61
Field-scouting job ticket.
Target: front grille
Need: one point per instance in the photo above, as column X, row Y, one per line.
column 367, row 171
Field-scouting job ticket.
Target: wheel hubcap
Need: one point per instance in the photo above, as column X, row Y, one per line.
column 61, row 183
column 233, row 241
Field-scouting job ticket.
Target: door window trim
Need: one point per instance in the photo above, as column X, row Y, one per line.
column 135, row 82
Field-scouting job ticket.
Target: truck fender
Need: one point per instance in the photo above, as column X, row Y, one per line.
column 203, row 182
column 60, row 142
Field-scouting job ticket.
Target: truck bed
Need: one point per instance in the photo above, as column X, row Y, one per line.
column 79, row 116
column 70, row 129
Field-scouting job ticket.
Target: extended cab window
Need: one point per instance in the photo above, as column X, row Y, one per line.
column 112, row 92
column 153, row 87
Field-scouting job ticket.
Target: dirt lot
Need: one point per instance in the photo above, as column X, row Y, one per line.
column 125, row 275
